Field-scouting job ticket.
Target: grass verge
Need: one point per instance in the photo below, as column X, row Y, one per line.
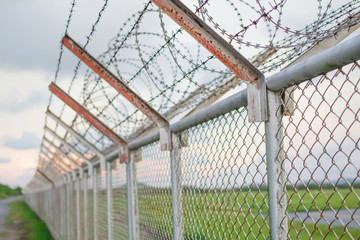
column 36, row 229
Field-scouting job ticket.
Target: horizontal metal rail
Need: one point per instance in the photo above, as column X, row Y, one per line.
column 330, row 59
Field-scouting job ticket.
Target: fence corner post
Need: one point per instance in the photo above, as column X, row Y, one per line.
column 276, row 172
column 176, row 190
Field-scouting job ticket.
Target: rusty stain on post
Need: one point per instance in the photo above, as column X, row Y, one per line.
column 115, row 82
column 209, row 39
column 91, row 119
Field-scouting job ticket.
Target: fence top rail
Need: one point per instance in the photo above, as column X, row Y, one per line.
column 330, row 59
column 333, row 58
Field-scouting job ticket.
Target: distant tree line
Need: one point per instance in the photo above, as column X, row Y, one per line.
column 6, row 191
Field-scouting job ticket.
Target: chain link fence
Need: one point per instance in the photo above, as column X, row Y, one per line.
column 321, row 152
column 224, row 183
column 294, row 175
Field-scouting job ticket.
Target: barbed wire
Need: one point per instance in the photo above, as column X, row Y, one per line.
column 88, row 39
column 167, row 70
column 73, row 4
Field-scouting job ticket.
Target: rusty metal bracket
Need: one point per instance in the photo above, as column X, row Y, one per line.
column 124, row 157
column 123, row 89
column 214, row 43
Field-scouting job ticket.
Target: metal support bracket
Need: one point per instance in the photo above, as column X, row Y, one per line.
column 223, row 51
column 124, row 154
column 105, row 130
column 123, row 89
column 257, row 101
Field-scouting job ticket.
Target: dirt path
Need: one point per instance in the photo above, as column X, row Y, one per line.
column 10, row 231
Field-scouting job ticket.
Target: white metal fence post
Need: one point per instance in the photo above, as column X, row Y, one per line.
column 68, row 225
column 78, row 232
column 94, row 176
column 64, row 209
column 276, row 174
column 108, row 198
column 176, row 191
column 71, row 220
column 85, row 192
column 132, row 197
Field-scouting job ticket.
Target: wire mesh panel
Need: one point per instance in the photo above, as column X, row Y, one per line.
column 321, row 145
column 119, row 220
column 224, row 179
column 101, row 212
column 154, row 192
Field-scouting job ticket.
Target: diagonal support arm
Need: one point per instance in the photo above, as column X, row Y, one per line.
column 81, row 170
column 77, row 153
column 93, row 121
column 56, row 165
column 58, row 161
column 223, row 51
column 123, row 89
column 46, row 177
column 75, row 134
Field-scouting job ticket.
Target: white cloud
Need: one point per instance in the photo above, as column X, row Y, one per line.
column 26, row 141
column 5, row 160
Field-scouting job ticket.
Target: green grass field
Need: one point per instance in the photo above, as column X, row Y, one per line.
column 36, row 229
column 233, row 215
column 243, row 214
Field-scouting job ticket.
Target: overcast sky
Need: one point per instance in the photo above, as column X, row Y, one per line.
column 29, row 48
